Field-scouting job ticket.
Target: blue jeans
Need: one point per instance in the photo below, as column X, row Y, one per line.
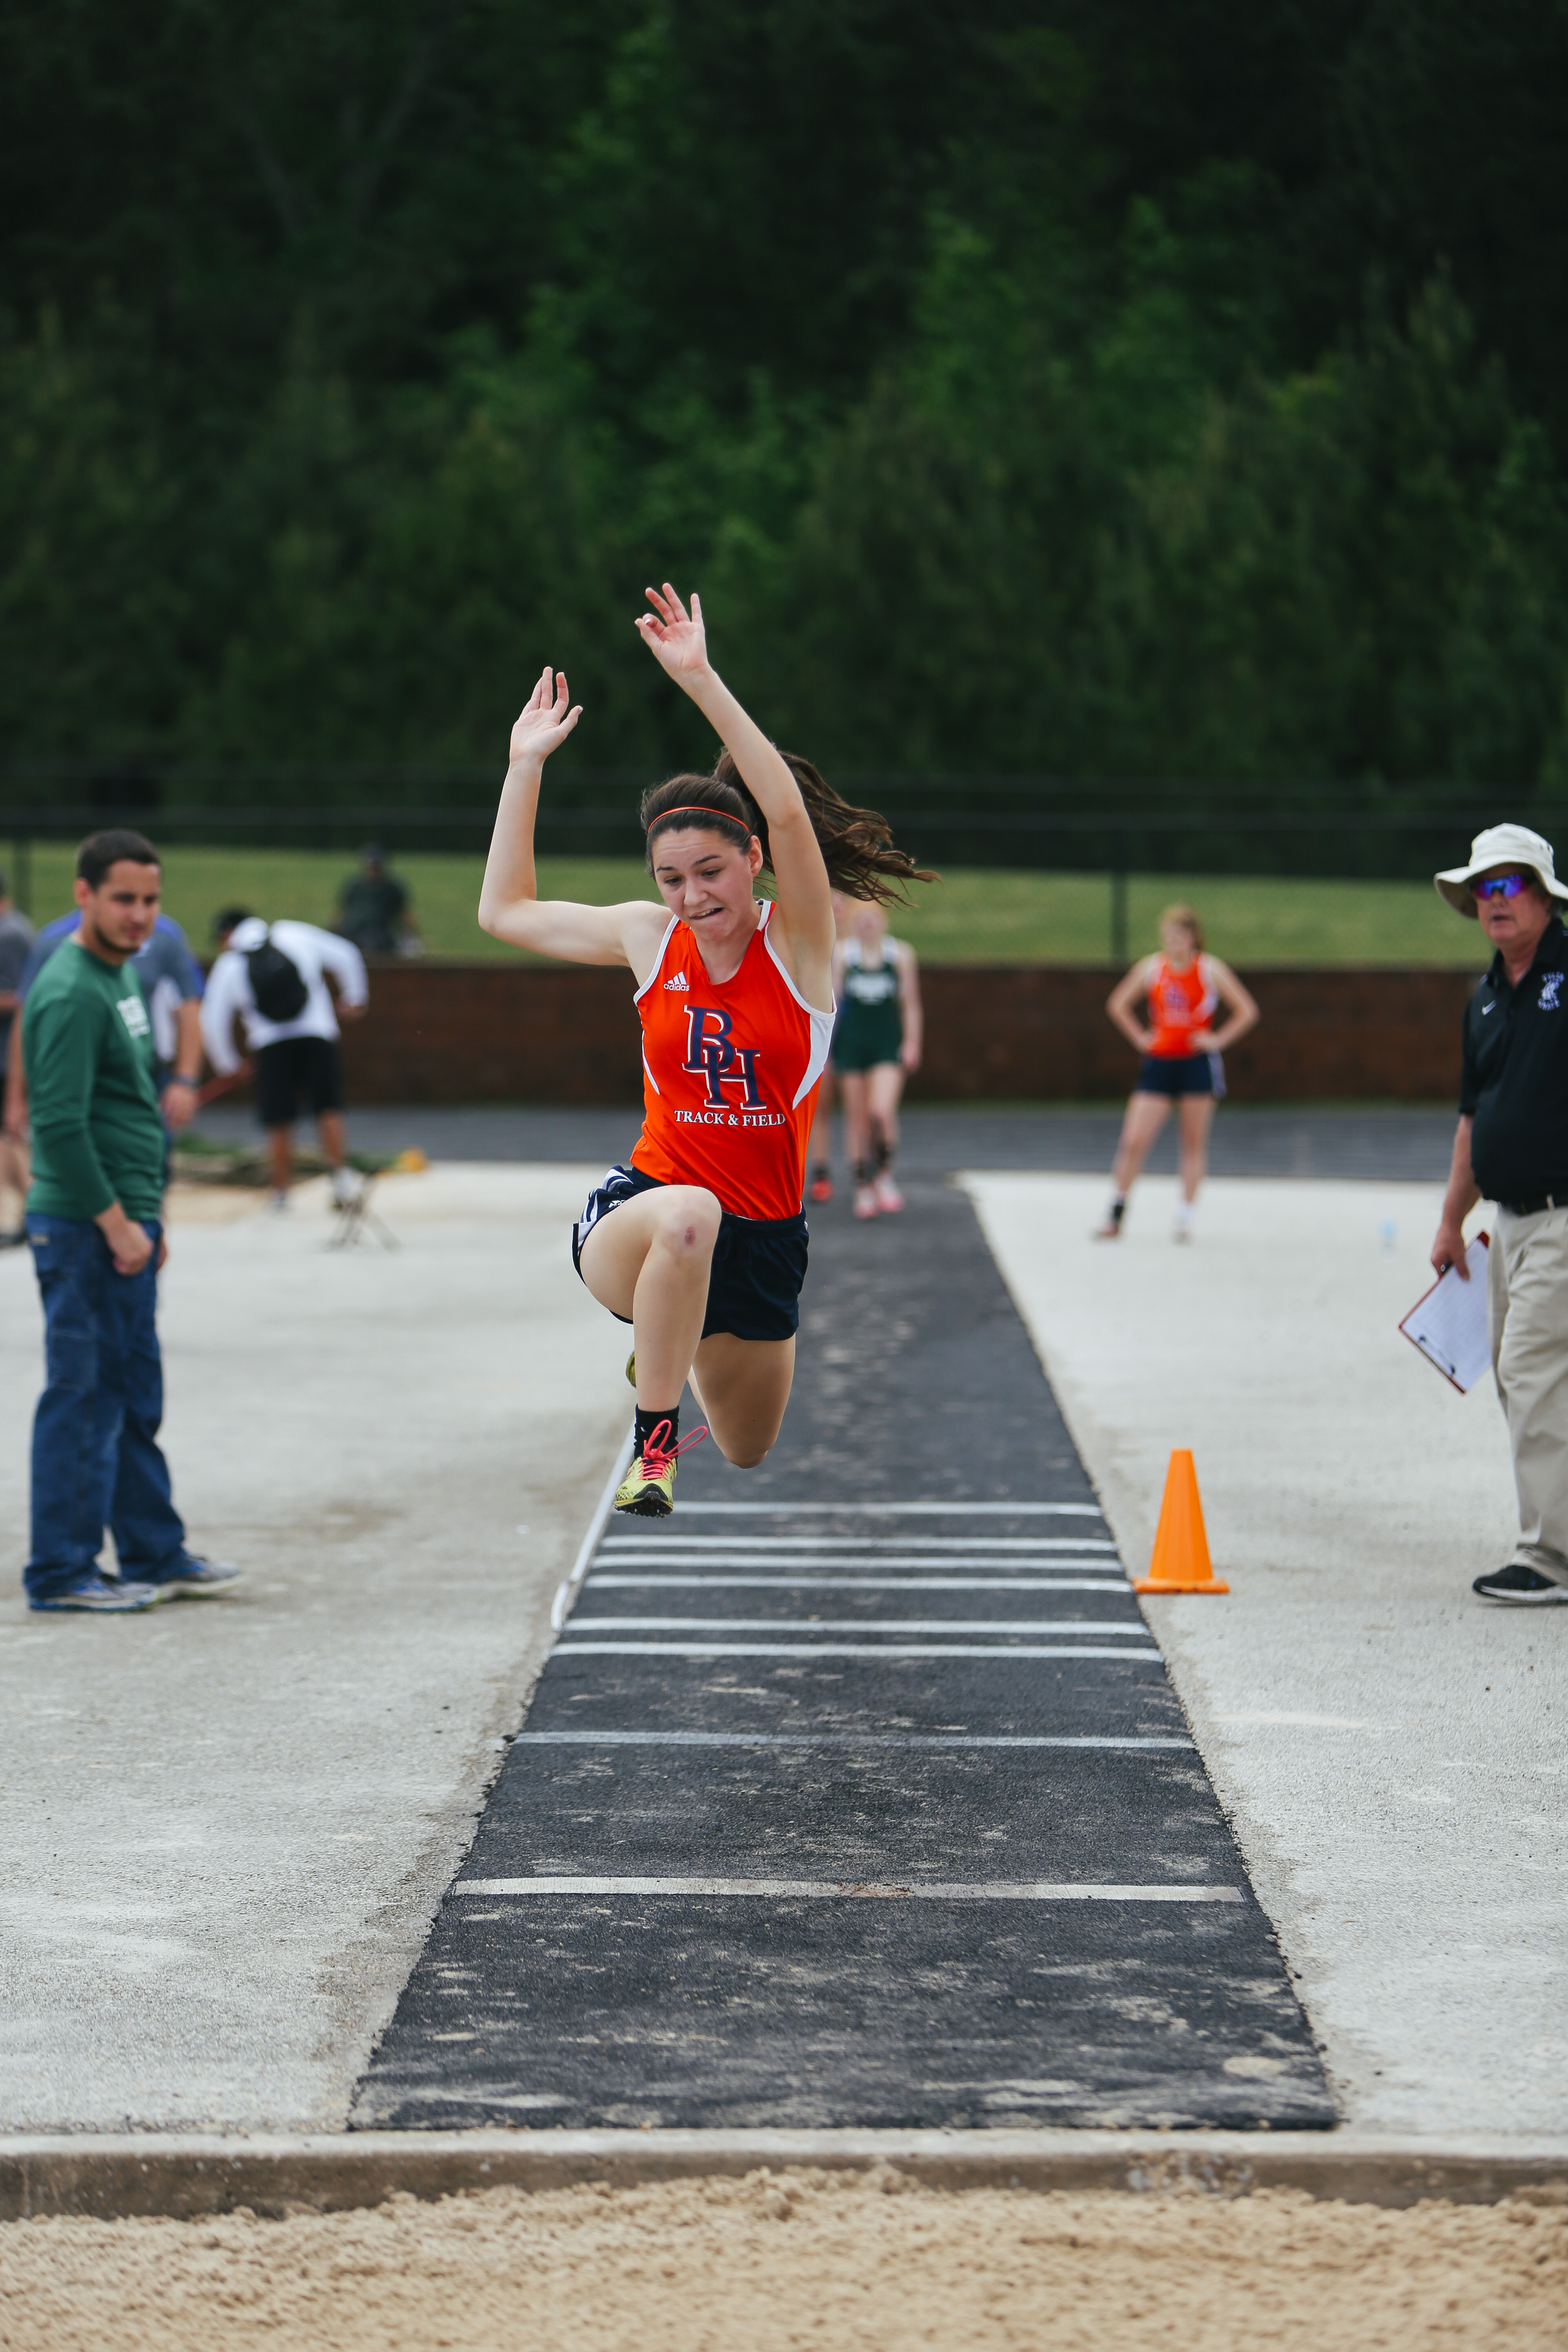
column 96, row 1457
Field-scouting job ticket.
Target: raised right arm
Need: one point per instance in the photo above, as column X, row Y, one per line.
column 509, row 905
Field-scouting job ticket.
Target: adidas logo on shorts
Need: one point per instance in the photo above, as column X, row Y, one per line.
column 679, row 981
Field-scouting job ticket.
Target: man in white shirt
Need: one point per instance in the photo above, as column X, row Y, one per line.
column 274, row 979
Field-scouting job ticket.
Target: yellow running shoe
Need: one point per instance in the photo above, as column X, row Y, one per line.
column 647, row 1490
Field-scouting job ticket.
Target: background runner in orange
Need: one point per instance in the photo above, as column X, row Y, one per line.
column 700, row 1242
column 1180, row 990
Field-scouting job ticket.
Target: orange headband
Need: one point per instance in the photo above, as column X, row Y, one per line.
column 715, row 817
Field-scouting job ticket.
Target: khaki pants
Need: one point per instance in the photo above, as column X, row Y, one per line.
column 1527, row 1307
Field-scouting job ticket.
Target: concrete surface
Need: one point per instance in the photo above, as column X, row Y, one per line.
column 226, row 1825
column 1391, row 1750
column 183, row 2174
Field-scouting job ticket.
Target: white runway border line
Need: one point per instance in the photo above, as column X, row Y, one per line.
column 828, row 1889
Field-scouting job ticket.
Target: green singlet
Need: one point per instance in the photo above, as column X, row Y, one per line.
column 871, row 1027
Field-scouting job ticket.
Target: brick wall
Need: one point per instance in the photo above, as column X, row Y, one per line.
column 455, row 1033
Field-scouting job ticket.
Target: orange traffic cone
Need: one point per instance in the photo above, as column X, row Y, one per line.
column 1181, row 1562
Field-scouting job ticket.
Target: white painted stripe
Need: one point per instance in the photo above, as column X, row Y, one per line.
column 1052, row 1584
column 918, row 1890
column 963, row 1510
column 840, row 1650
column 843, row 1739
column 1044, row 1563
column 835, row 1547
column 566, row 1591
column 1134, row 1631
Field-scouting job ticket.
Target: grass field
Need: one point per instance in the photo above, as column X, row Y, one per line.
column 972, row 916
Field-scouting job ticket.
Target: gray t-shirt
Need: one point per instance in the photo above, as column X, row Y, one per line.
column 15, row 939
column 169, row 974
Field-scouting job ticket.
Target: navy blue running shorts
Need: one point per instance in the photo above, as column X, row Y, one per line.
column 1180, row 1074
column 759, row 1262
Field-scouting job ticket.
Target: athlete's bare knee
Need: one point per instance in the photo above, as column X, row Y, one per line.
column 749, row 1457
column 689, row 1226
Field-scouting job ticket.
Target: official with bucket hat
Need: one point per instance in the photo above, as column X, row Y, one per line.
column 1512, row 1148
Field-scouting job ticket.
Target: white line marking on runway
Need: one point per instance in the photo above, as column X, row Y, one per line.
column 846, row 1740
column 928, row 1891
column 1136, row 1630
column 1053, row 1583
column 561, row 1603
column 969, row 1510
column 840, row 1650
column 835, row 1547
column 1107, row 1561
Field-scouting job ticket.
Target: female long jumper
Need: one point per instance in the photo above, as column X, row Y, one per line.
column 700, row 1242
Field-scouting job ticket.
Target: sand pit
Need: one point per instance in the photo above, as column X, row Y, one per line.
column 797, row 2259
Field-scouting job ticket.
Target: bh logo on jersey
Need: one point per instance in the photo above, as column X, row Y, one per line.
column 1551, row 983
column 710, row 1055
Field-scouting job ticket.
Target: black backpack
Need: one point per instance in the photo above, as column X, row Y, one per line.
column 278, row 987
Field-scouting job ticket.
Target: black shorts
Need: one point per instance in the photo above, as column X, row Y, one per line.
column 1180, row 1074
column 759, row 1262
column 295, row 1069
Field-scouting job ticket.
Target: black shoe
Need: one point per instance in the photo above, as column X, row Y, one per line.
column 1519, row 1584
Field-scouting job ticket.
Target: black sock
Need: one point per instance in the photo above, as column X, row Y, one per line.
column 881, row 1147
column 865, row 1170
column 645, row 1423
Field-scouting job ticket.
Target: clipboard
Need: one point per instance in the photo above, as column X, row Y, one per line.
column 1448, row 1322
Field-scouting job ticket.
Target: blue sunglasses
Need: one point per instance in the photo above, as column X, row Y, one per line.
column 1501, row 886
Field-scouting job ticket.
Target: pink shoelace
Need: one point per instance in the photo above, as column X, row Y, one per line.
column 657, row 1457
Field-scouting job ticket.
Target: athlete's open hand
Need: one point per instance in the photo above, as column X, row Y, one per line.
column 546, row 722
column 675, row 637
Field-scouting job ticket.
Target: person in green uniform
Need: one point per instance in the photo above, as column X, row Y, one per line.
column 93, row 1216
column 876, row 1042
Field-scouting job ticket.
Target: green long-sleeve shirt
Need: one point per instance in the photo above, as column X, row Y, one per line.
column 87, row 1051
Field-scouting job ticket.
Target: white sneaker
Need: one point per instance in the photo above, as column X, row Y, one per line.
column 347, row 1186
column 277, row 1202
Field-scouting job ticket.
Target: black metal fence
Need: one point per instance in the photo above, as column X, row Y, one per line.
column 1038, row 823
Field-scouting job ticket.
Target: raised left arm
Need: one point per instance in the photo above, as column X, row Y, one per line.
column 804, row 927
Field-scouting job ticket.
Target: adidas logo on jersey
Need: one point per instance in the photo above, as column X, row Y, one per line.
column 679, row 981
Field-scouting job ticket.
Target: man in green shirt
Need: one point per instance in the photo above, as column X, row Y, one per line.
column 94, row 1224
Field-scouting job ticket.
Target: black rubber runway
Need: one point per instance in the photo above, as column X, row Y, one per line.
column 856, row 1793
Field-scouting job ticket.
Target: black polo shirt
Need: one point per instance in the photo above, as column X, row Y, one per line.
column 1515, row 1082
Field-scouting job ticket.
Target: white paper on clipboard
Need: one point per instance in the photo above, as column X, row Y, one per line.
column 1449, row 1324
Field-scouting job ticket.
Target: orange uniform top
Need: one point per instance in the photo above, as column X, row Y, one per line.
column 1180, row 1002
column 731, row 1071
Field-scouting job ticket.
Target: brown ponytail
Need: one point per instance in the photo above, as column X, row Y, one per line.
column 856, row 843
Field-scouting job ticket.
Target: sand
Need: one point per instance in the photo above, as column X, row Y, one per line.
column 797, row 2259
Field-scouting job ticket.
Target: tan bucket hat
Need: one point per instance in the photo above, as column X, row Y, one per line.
column 1499, row 844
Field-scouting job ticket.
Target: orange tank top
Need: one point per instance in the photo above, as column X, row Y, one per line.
column 731, row 1071
column 1179, row 1004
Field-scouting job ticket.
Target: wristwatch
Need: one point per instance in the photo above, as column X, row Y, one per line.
column 179, row 1079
